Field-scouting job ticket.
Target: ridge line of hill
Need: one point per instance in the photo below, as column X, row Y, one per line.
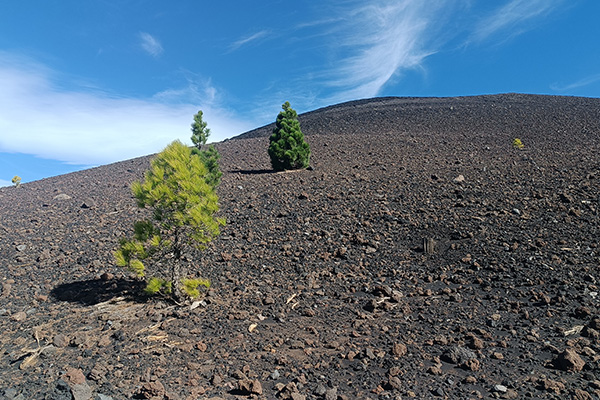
column 406, row 104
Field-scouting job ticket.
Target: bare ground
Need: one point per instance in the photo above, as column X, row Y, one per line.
column 420, row 256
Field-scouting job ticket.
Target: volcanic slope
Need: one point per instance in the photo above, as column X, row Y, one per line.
column 420, row 256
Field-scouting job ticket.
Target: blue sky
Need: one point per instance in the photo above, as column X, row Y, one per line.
column 85, row 83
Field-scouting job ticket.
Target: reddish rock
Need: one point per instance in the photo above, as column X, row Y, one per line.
column 552, row 386
column 249, row 386
column 395, row 383
column 61, row 340
column 476, row 343
column 435, row 370
column 582, row 395
column 152, row 390
column 74, row 376
column 472, row 365
column 19, row 316
column 201, row 346
column 569, row 360
column 399, row 349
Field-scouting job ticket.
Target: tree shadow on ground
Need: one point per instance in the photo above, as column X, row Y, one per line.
column 96, row 291
column 252, row 171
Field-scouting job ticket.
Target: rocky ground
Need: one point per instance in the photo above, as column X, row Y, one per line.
column 421, row 256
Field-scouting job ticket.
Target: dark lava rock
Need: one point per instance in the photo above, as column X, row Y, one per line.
column 323, row 274
column 458, row 355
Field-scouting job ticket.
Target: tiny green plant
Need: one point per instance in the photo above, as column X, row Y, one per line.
column 287, row 147
column 183, row 206
column 517, row 144
column 16, row 180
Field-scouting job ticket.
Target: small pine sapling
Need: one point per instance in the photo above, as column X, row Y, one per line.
column 200, row 131
column 209, row 155
column 287, row 147
column 183, row 209
column 16, row 180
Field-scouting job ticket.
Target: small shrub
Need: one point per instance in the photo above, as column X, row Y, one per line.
column 287, row 147
column 16, row 180
column 517, row 144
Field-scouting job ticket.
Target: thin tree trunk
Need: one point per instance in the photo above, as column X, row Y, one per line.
column 179, row 272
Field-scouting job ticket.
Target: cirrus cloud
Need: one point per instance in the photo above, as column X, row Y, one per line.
column 375, row 41
column 150, row 44
column 244, row 41
column 513, row 18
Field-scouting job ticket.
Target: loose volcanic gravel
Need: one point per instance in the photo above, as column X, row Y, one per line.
column 420, row 256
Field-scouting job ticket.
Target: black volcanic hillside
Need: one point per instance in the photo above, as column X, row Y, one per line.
column 477, row 115
column 421, row 256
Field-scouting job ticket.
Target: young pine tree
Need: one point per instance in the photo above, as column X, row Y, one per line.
column 209, row 156
column 183, row 208
column 287, row 147
column 200, row 131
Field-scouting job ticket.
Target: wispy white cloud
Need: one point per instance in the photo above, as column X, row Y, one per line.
column 589, row 80
column 379, row 39
column 244, row 41
column 85, row 127
column 513, row 18
column 150, row 44
column 374, row 41
column 197, row 89
column 319, row 22
column 366, row 44
column 4, row 183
